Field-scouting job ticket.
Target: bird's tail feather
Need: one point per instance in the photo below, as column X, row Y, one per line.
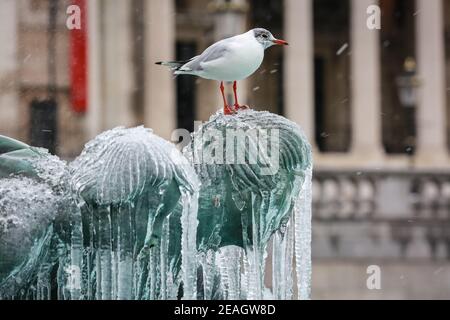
column 173, row 65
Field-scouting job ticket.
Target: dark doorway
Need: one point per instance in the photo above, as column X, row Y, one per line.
column 397, row 44
column 332, row 75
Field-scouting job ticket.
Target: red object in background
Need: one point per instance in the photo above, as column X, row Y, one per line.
column 78, row 61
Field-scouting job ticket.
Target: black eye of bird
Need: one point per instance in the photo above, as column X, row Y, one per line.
column 265, row 36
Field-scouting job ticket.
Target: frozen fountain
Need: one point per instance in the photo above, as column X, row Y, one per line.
column 134, row 218
column 255, row 172
column 128, row 182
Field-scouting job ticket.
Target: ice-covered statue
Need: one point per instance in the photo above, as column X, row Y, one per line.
column 120, row 240
column 132, row 218
column 35, row 216
column 255, row 171
column 127, row 183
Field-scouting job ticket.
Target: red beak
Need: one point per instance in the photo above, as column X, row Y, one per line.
column 280, row 42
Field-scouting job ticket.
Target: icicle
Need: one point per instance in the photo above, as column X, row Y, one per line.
column 164, row 260
column 43, row 282
column 105, row 252
column 189, row 245
column 97, row 252
column 61, row 279
column 282, row 259
column 142, row 274
column 229, row 262
column 114, row 227
column 125, row 267
column 90, row 253
column 255, row 252
column 208, row 262
column 76, row 255
column 245, row 281
column 154, row 273
column 302, row 218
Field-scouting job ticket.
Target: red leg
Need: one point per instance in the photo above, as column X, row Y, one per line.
column 236, row 103
column 237, row 106
column 226, row 108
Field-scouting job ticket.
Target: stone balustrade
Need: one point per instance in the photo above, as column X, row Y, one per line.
column 398, row 215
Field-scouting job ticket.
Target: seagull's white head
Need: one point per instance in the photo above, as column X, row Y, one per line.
column 266, row 39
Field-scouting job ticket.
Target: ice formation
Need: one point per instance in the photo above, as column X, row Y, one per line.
column 127, row 183
column 255, row 170
column 35, row 211
column 133, row 218
column 101, row 229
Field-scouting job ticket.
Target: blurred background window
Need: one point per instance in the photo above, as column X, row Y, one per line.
column 397, row 45
column 332, row 71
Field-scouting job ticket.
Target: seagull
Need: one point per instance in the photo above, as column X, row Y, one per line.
column 229, row 60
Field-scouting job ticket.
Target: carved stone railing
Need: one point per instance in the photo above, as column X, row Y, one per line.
column 381, row 214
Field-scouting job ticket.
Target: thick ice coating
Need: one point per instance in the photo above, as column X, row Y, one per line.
column 254, row 168
column 128, row 182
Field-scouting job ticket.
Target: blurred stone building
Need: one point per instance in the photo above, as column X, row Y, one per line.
column 374, row 103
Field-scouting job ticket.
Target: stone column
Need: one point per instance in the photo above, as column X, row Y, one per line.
column 9, row 101
column 230, row 19
column 160, row 111
column 299, row 68
column 117, row 68
column 95, row 104
column 431, row 112
column 366, row 86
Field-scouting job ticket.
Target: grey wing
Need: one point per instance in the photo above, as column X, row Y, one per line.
column 216, row 51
